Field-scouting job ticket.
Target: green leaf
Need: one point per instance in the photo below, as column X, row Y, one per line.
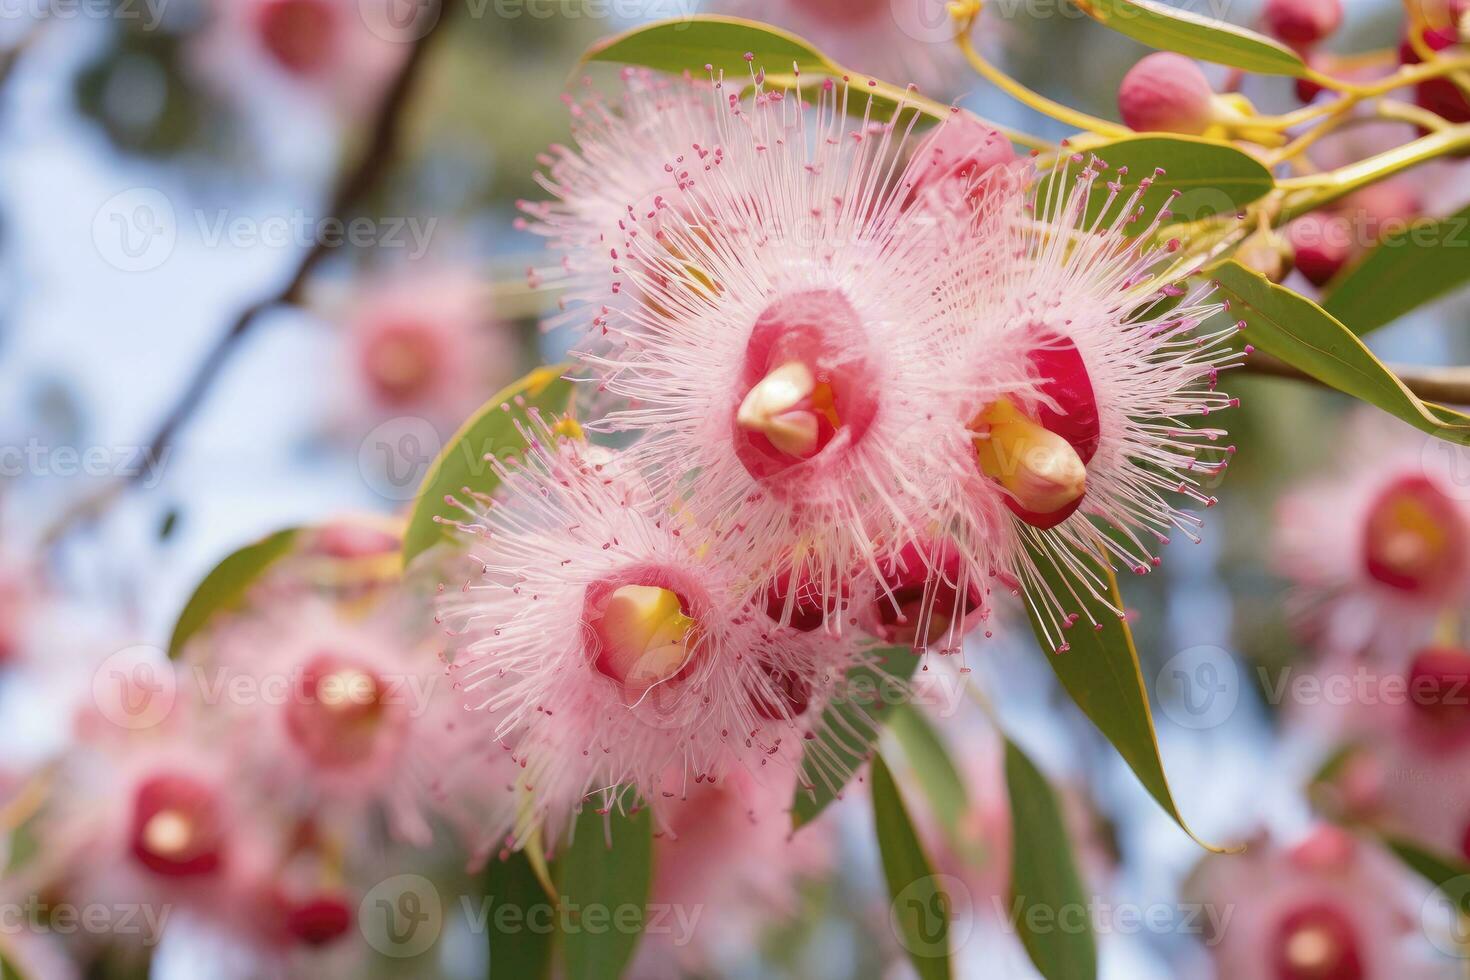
column 1212, row 178
column 462, row 463
column 690, row 43
column 1293, row 329
column 8, row 969
column 849, row 728
column 933, row 768
column 1404, row 270
column 1449, row 874
column 1188, row 33
column 521, row 920
column 604, row 881
column 1100, row 671
column 921, row 910
column 226, row 585
column 1047, row 895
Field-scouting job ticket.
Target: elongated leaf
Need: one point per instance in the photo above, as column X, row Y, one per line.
column 920, row 909
column 491, row 430
column 932, row 766
column 849, row 728
column 1100, row 671
column 1049, row 907
column 604, row 881
column 226, row 584
column 1292, row 328
column 1170, row 29
column 521, row 920
column 1446, row 873
column 8, row 969
column 1212, row 178
column 788, row 61
column 689, row 43
column 1407, row 268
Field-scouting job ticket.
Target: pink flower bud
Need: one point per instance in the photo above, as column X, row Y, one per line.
column 1440, row 96
column 1439, row 688
column 299, row 34
column 1321, row 244
column 1302, row 22
column 1168, row 93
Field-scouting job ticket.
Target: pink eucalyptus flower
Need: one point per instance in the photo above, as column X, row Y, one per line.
column 427, row 344
column 1332, row 907
column 1379, row 551
column 1087, row 386
column 610, row 650
column 343, row 717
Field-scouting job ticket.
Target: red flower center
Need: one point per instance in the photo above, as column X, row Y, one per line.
column 806, row 387
column 1414, row 538
column 642, row 628
column 298, row 33
column 401, row 362
column 1317, row 942
column 177, row 827
column 335, row 715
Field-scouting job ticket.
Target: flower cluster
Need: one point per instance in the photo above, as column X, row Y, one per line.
column 863, row 379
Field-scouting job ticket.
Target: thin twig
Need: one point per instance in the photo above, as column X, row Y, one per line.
column 352, row 189
column 1449, row 386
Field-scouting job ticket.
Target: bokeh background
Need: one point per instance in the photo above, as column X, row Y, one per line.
column 165, row 169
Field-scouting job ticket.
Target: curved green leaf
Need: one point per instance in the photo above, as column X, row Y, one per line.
column 849, row 728
column 1100, row 671
column 682, row 44
column 1293, row 329
column 1170, row 29
column 935, row 771
column 1406, row 269
column 921, row 910
column 491, row 430
column 1049, row 908
column 1446, row 873
column 1211, row 178
column 227, row 583
column 690, row 43
column 520, row 918
column 605, row 877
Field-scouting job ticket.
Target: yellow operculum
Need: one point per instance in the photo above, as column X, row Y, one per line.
column 645, row 634
column 1039, row 468
column 781, row 408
